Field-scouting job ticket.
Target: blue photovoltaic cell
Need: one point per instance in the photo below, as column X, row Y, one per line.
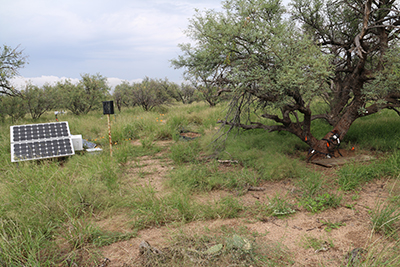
column 42, row 149
column 38, row 141
column 39, row 131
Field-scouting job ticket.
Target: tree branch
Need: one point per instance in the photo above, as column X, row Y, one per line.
column 255, row 125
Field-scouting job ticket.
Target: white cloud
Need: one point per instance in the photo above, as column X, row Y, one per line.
column 20, row 82
column 129, row 39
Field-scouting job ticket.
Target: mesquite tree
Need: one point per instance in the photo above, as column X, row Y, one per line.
column 123, row 95
column 39, row 100
column 85, row 96
column 343, row 53
column 150, row 93
column 11, row 60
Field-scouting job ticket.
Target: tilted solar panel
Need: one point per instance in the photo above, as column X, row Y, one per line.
column 40, row 141
column 39, row 131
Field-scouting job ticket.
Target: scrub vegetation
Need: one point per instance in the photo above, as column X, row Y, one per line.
column 217, row 170
column 51, row 209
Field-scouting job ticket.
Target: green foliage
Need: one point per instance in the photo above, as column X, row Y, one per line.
column 387, row 79
column 280, row 206
column 152, row 93
column 275, row 69
column 40, row 100
column 123, row 95
column 329, row 226
column 277, row 206
column 2, row 111
column 11, row 59
column 262, row 59
column 148, row 209
column 321, row 202
column 209, row 93
column 87, row 95
column 21, row 244
column 185, row 94
column 14, row 106
column 381, row 253
column 195, row 177
column 313, row 195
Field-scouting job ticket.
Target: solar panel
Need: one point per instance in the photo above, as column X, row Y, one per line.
column 31, row 132
column 40, row 141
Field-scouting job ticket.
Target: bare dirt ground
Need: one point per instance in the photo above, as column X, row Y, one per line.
column 291, row 232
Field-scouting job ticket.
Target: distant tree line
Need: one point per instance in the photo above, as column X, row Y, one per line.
column 151, row 93
column 88, row 94
column 78, row 98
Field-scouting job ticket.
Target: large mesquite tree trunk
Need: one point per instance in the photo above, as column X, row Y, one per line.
column 361, row 36
column 343, row 59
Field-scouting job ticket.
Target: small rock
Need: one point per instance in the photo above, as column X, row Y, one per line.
column 214, row 249
column 241, row 243
column 144, row 246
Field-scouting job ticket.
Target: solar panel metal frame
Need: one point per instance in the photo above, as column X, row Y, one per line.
column 40, row 141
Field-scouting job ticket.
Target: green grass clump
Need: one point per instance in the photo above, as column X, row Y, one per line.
column 310, row 185
column 39, row 199
column 267, row 153
column 380, row 253
column 376, row 132
column 82, row 233
column 313, row 193
column 321, row 202
column 207, row 177
column 353, row 176
column 194, row 177
column 385, row 219
column 149, row 209
column 229, row 207
column 277, row 206
column 185, row 152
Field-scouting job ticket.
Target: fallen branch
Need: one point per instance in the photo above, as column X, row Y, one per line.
column 228, row 161
column 252, row 188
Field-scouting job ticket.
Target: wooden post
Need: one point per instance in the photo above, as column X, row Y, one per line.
column 108, row 108
column 109, row 133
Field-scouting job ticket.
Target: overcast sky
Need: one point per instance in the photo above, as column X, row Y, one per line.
column 120, row 39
